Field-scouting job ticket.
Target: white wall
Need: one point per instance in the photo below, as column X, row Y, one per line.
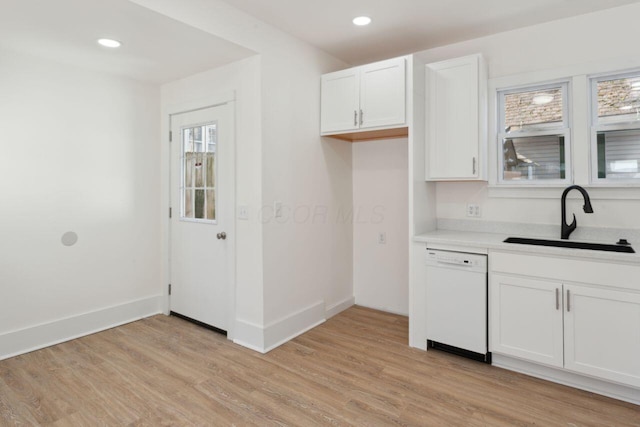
column 381, row 205
column 583, row 44
column 307, row 253
column 79, row 153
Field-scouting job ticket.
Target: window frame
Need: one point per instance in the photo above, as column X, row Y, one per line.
column 595, row 128
column 564, row 130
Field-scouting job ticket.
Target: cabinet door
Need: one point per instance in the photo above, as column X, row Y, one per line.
column 453, row 119
column 602, row 333
column 526, row 319
column 383, row 94
column 340, row 101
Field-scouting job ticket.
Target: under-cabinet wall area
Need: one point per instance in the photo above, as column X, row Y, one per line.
column 380, row 224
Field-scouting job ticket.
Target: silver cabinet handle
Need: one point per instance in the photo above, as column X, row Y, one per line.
column 221, row 236
column 474, row 165
column 361, row 117
column 568, row 301
column 557, row 299
column 355, row 117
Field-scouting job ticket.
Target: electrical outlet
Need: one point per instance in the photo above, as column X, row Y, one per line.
column 473, row 210
column 382, row 238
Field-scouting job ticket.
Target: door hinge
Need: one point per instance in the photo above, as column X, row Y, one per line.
column 170, row 212
column 170, row 136
column 169, row 288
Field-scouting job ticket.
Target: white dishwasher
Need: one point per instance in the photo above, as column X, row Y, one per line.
column 457, row 303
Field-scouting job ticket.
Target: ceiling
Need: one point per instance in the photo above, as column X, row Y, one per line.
column 155, row 48
column 406, row 26
column 159, row 49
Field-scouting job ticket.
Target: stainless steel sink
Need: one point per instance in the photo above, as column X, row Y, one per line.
column 573, row 245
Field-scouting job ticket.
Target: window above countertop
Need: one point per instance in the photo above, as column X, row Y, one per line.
column 580, row 137
column 534, row 135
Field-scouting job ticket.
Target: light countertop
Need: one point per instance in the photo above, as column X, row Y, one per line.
column 482, row 242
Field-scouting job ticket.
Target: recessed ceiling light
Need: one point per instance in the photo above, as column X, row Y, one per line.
column 362, row 20
column 109, row 43
column 626, row 107
column 542, row 99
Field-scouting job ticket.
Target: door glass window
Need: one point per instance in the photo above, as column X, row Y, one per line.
column 198, row 190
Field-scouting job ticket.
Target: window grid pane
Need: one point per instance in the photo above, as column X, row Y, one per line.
column 533, row 110
column 618, row 100
column 619, row 154
column 198, row 165
column 534, row 158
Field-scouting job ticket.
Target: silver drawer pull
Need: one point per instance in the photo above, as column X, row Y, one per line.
column 557, row 299
column 355, row 117
column 568, row 301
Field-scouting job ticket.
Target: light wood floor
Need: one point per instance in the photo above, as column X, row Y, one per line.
column 355, row 369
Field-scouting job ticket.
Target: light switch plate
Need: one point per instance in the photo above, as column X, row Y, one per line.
column 277, row 209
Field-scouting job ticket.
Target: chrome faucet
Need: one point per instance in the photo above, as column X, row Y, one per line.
column 567, row 229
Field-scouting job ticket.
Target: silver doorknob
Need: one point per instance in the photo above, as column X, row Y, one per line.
column 222, row 235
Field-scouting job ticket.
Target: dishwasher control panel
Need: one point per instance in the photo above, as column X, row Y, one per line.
column 441, row 258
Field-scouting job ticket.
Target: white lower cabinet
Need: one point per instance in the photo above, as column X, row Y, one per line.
column 602, row 333
column 586, row 328
column 526, row 320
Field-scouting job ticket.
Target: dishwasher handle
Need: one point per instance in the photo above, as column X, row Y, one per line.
column 455, row 262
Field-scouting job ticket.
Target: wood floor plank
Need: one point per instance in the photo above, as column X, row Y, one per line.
column 354, row 370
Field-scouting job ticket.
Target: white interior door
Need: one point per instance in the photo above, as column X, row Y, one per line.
column 202, row 214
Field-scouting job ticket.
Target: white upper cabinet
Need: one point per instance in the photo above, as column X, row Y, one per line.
column 340, row 106
column 456, row 119
column 382, row 94
column 366, row 98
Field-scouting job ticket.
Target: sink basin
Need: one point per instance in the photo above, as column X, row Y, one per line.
column 569, row 244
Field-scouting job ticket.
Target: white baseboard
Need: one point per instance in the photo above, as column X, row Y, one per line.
column 47, row 334
column 560, row 376
column 339, row 307
column 250, row 335
column 282, row 330
column 385, row 309
column 265, row 339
